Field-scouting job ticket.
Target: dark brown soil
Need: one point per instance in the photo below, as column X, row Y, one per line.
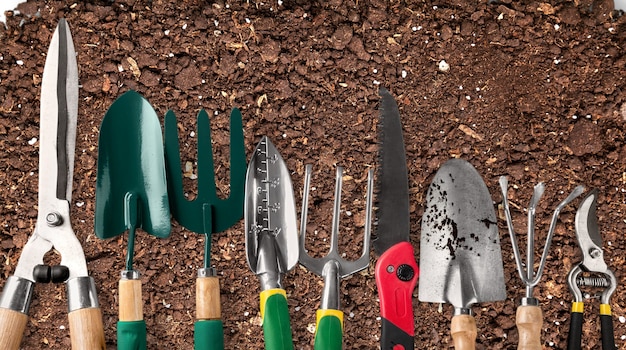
column 534, row 91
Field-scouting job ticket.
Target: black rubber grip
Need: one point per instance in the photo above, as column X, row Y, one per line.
column 606, row 326
column 575, row 331
column 391, row 336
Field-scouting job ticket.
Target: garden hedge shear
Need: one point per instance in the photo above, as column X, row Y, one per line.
column 59, row 110
column 593, row 263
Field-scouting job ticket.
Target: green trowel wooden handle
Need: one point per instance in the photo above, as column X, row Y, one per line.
column 463, row 331
column 275, row 316
column 131, row 328
column 208, row 328
column 329, row 330
column 529, row 320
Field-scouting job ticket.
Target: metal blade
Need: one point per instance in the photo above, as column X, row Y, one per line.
column 587, row 221
column 270, row 215
column 393, row 192
column 59, row 110
column 460, row 258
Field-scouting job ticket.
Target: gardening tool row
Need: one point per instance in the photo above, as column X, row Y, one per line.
column 139, row 186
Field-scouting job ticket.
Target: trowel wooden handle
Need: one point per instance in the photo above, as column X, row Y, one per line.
column 86, row 329
column 131, row 304
column 208, row 298
column 463, row 331
column 12, row 326
column 529, row 320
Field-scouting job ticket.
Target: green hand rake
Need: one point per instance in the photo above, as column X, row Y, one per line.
column 207, row 213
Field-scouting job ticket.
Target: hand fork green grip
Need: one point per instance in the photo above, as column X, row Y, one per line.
column 275, row 316
column 329, row 330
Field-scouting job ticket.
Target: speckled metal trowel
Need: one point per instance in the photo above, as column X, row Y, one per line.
column 460, row 258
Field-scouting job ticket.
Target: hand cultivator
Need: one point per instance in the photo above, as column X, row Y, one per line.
column 206, row 214
column 329, row 319
column 529, row 316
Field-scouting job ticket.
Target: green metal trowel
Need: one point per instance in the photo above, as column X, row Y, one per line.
column 131, row 193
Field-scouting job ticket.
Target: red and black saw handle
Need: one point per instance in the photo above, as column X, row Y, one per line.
column 396, row 277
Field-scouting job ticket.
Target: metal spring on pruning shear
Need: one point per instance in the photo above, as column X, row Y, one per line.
column 593, row 282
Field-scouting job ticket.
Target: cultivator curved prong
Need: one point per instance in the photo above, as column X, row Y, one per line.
column 329, row 319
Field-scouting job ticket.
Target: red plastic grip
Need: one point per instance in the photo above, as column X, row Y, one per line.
column 396, row 293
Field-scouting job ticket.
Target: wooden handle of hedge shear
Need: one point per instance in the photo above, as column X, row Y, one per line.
column 86, row 329
column 208, row 328
column 12, row 326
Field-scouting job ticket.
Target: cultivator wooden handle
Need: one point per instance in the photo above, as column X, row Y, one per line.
column 208, row 328
column 463, row 331
column 529, row 320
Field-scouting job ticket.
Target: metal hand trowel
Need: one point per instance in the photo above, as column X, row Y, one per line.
column 271, row 238
column 460, row 258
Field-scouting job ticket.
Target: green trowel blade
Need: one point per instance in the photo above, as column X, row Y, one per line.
column 131, row 187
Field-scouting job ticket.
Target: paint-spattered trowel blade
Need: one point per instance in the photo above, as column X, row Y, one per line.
column 460, row 257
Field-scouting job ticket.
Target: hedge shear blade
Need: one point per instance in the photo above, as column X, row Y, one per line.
column 593, row 263
column 59, row 109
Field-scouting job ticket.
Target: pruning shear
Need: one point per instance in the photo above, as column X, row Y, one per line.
column 59, row 110
column 593, row 263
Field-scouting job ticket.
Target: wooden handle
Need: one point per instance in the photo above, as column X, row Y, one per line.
column 131, row 304
column 86, row 329
column 12, row 326
column 208, row 298
column 529, row 320
column 463, row 330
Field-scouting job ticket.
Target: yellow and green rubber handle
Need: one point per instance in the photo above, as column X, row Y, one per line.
column 208, row 331
column 275, row 318
column 328, row 330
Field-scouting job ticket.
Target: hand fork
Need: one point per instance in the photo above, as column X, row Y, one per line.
column 329, row 318
column 206, row 214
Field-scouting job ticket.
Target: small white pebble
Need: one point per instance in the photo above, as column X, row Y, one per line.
column 623, row 337
column 348, row 213
column 19, row 62
column 375, row 71
column 248, row 20
column 166, row 32
column 216, row 22
column 477, row 89
column 171, row 54
column 556, row 61
column 404, row 74
column 551, row 344
column 280, row 3
column 444, row 66
column 80, row 204
column 246, row 313
column 588, row 116
column 460, row 87
column 467, row 97
column 414, row 29
column 311, row 328
column 297, row 308
column 557, row 27
column 574, row 117
column 550, row 297
column 611, row 30
column 184, row 26
column 32, row 141
column 376, row 82
column 501, row 16
column 622, row 319
column 61, row 327
column 192, row 134
column 200, row 97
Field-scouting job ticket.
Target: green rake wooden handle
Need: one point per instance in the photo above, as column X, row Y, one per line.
column 275, row 316
column 208, row 329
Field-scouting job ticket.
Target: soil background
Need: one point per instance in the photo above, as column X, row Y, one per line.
column 534, row 90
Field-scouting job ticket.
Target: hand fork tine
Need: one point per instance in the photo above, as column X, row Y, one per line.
column 329, row 319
